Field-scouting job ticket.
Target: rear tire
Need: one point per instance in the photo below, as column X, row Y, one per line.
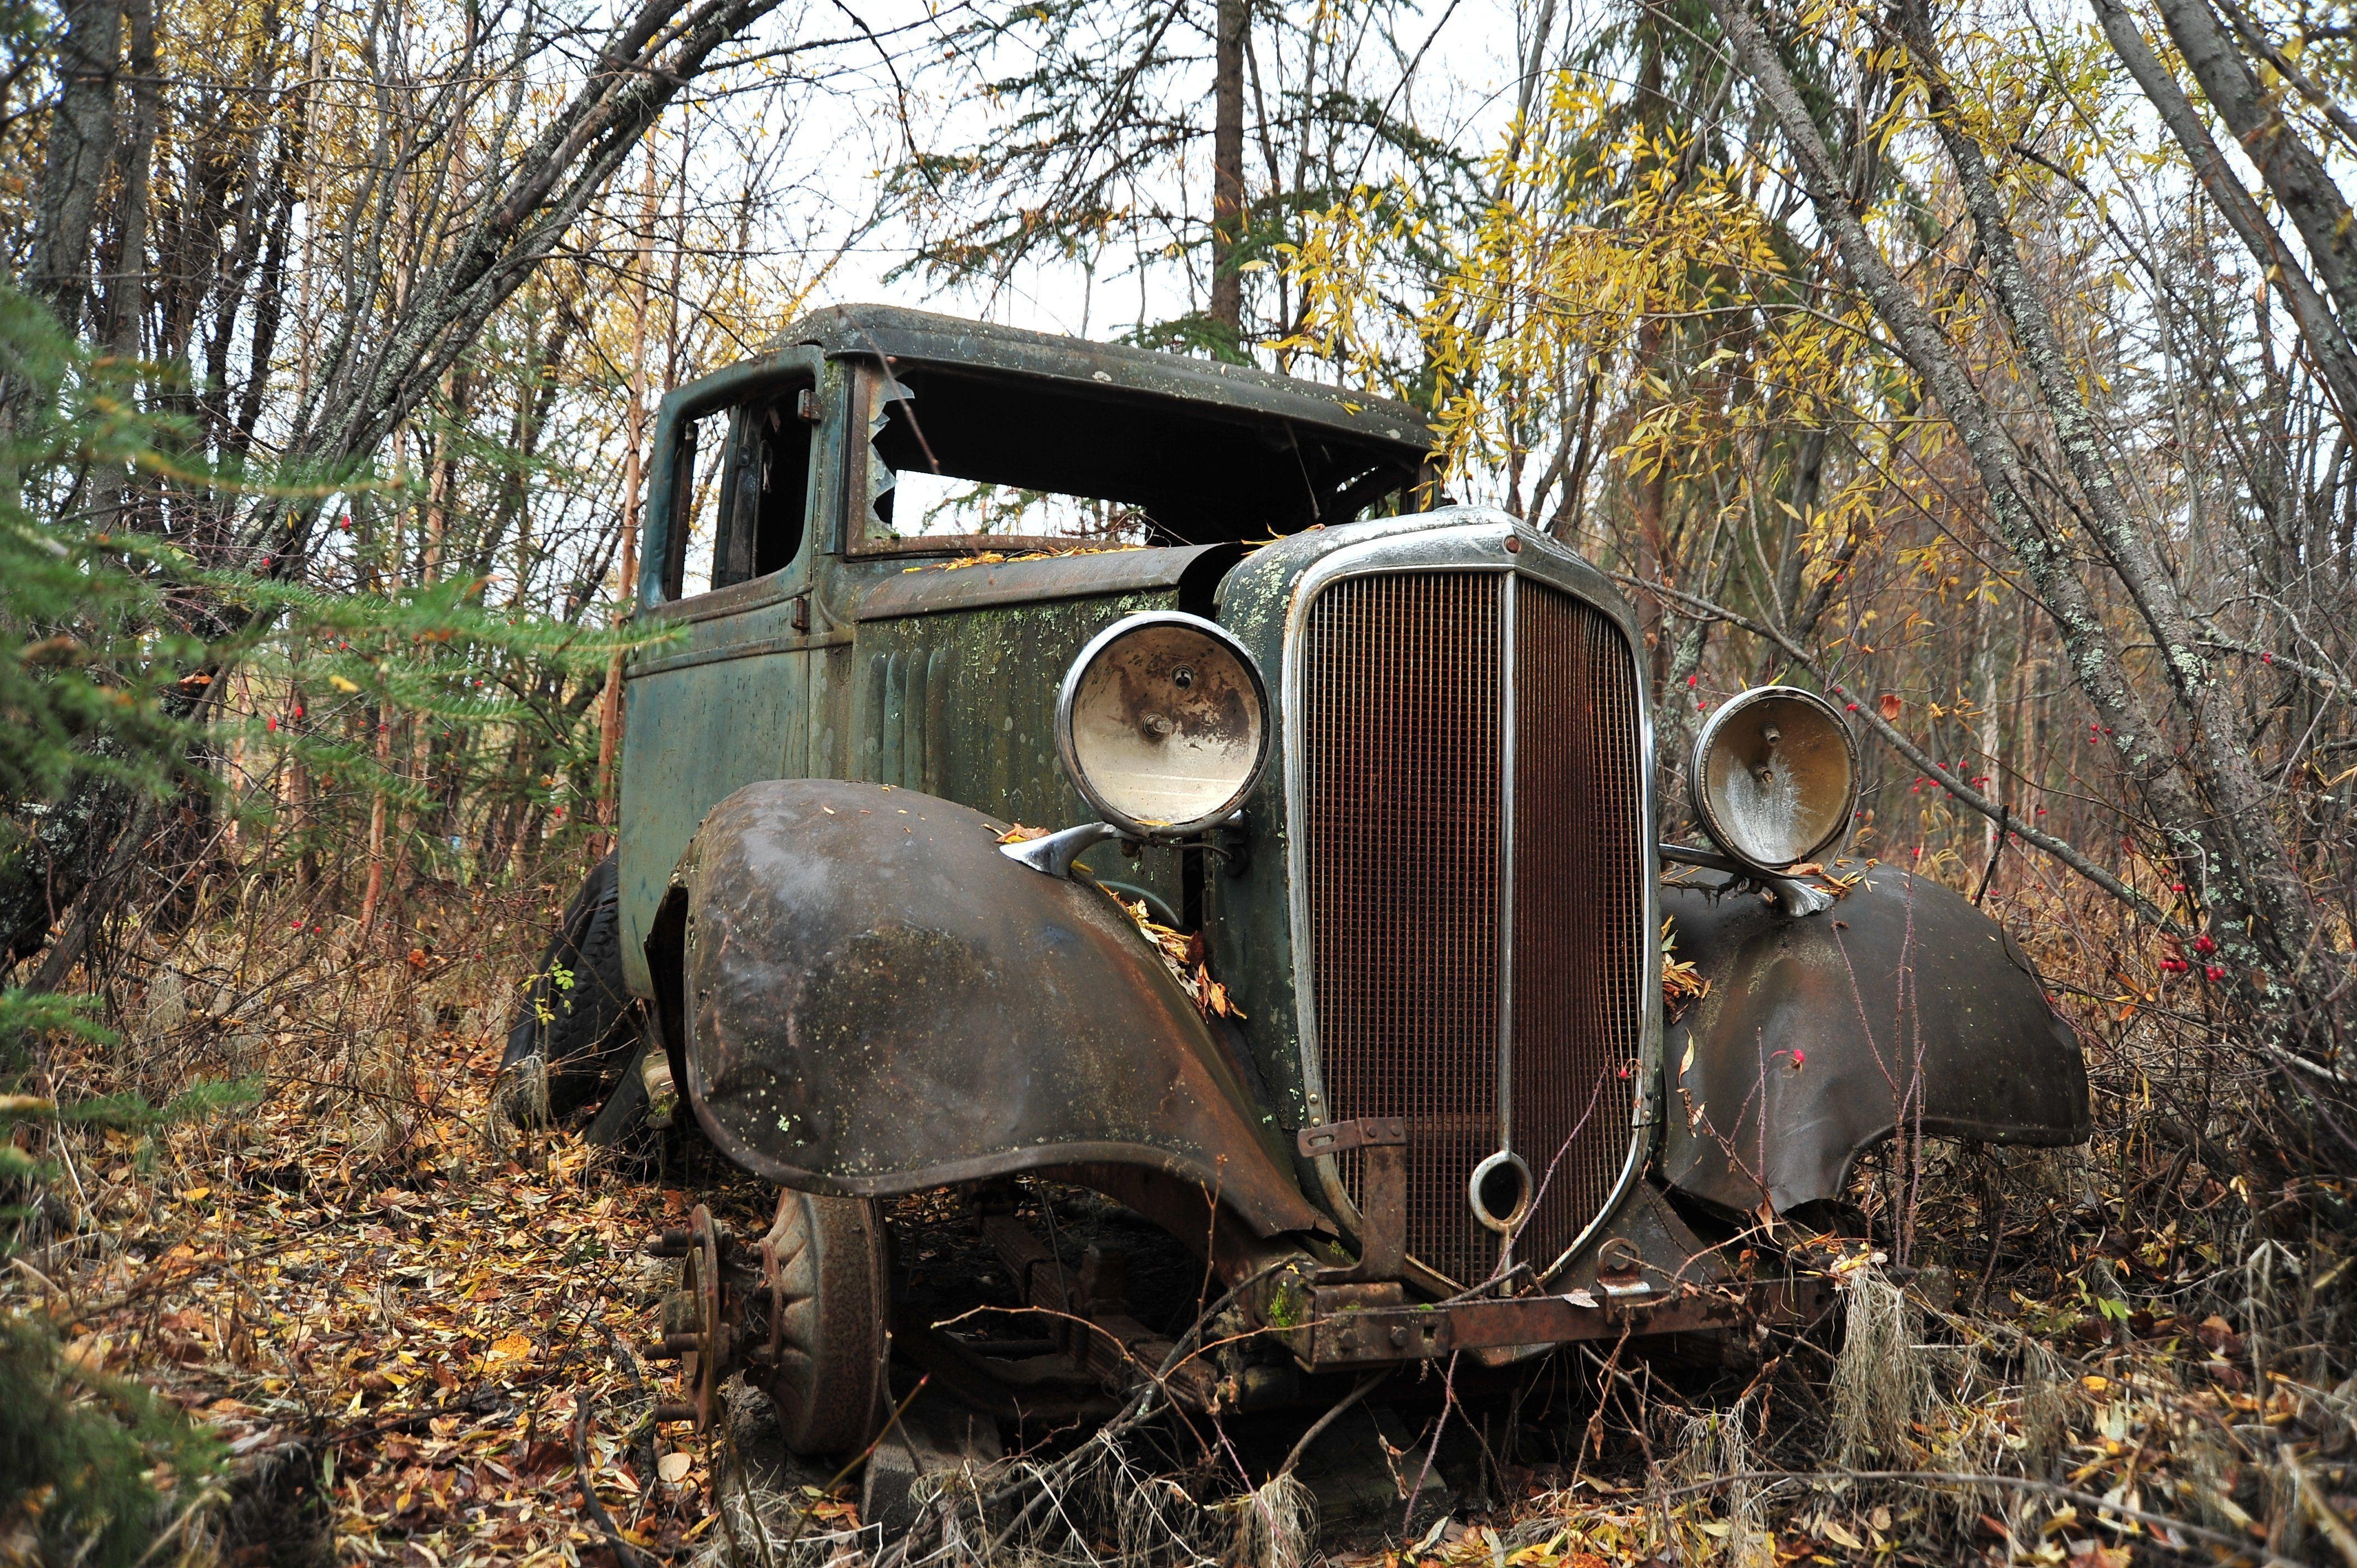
column 578, row 1024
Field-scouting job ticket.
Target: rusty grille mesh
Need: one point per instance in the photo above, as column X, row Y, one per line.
column 1403, row 724
column 1579, row 910
column 1402, row 713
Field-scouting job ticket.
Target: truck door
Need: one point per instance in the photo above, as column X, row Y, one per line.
column 741, row 487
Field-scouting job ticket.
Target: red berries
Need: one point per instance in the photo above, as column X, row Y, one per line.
column 2213, row 974
column 2204, row 945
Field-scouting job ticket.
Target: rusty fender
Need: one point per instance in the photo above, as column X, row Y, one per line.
column 1821, row 1034
column 867, row 998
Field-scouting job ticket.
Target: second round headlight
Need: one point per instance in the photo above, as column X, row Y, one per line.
column 1774, row 777
column 1163, row 724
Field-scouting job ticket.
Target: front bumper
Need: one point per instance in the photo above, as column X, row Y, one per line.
column 1343, row 1326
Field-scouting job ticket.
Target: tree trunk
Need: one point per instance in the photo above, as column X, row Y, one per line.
column 2328, row 339
column 81, row 147
column 2256, row 868
column 2290, row 167
column 2087, row 641
column 609, row 704
column 126, row 288
column 1227, row 171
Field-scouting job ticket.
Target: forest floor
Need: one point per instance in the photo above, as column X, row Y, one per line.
column 421, row 1334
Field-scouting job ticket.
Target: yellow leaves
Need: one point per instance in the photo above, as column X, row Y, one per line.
column 89, row 1353
column 340, row 684
column 515, row 1348
column 1182, row 953
column 1682, row 984
column 1833, row 1530
column 1002, row 558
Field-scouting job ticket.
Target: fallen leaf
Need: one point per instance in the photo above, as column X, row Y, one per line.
column 2101, row 1557
column 674, row 1467
column 516, row 1347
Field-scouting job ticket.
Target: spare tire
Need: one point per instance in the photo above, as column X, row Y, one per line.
column 577, row 1024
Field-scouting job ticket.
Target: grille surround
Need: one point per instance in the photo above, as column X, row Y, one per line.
column 1615, row 1122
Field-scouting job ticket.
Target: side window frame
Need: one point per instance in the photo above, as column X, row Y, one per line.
column 762, row 431
column 664, row 540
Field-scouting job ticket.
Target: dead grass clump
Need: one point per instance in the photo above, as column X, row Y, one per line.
column 1717, row 1445
column 1276, row 1525
column 1104, row 1504
column 1882, row 1379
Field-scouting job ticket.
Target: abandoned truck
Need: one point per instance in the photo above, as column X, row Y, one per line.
column 1342, row 962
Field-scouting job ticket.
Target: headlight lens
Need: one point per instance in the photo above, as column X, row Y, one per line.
column 1163, row 724
column 1774, row 777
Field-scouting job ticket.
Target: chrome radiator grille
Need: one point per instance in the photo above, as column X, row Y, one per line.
column 1473, row 836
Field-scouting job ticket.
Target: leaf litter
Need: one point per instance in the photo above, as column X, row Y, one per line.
column 362, row 1274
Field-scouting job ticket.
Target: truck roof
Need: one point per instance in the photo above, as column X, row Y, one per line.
column 923, row 337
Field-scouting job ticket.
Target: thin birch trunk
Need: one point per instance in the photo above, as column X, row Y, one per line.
column 609, row 704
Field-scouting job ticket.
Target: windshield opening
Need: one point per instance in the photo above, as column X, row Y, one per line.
column 961, row 461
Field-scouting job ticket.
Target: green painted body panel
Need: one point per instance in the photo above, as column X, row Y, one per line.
column 963, row 704
column 957, row 703
column 1249, row 931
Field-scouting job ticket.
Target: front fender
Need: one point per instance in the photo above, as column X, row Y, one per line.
column 1820, row 1037
column 874, row 1000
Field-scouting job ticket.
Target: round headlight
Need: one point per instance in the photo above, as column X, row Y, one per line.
column 1774, row 777
column 1163, row 724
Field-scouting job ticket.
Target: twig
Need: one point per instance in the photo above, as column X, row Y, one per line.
column 1366, row 1386
column 2336, row 1528
column 1946, row 778
column 730, row 1465
column 857, row 1459
column 646, row 1432
column 624, row 1555
column 1141, row 1405
column 209, row 1495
